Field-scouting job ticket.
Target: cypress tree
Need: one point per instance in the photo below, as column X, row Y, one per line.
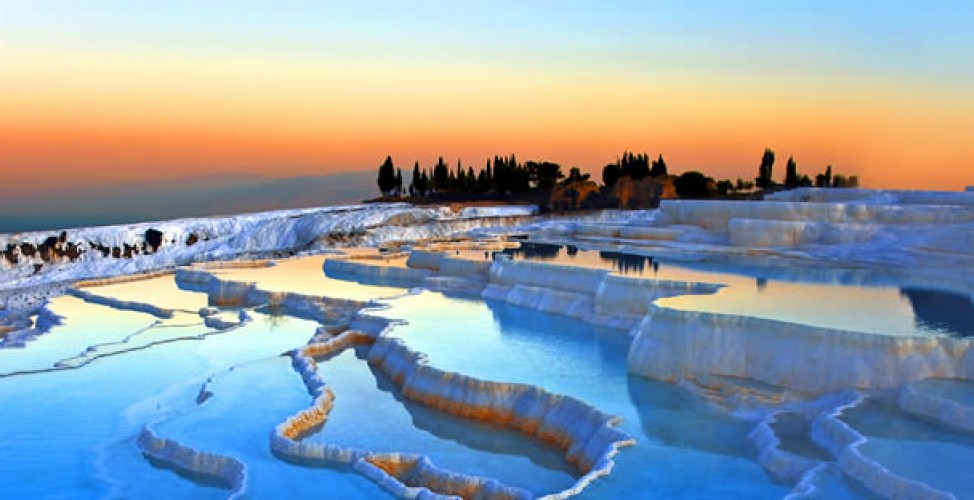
column 791, row 173
column 659, row 167
column 387, row 176
column 763, row 180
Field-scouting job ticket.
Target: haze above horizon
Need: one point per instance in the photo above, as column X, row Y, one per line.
column 105, row 92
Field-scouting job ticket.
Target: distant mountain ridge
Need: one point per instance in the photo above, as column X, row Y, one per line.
column 177, row 198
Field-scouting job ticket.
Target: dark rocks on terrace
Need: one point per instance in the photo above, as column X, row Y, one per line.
column 153, row 238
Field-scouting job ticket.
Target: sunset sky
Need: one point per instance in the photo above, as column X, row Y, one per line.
column 111, row 91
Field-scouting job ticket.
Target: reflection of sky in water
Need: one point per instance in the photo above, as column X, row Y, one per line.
column 914, row 448
column 161, row 292
column 682, row 436
column 73, row 432
column 820, row 301
column 370, row 414
column 305, row 275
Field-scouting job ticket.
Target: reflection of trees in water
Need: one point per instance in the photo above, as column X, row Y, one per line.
column 761, row 283
column 951, row 313
column 533, row 251
column 627, row 263
column 274, row 315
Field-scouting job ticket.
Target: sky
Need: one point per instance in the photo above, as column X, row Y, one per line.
column 101, row 92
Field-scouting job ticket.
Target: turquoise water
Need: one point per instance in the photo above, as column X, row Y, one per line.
column 913, row 448
column 680, row 438
column 369, row 414
column 71, row 414
column 858, row 299
column 71, row 433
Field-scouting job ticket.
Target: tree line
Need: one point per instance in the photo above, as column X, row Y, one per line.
column 506, row 176
column 793, row 179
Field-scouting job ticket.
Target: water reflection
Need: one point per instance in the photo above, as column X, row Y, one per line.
column 477, row 435
column 681, row 419
column 533, row 251
column 849, row 299
column 951, row 313
column 625, row 263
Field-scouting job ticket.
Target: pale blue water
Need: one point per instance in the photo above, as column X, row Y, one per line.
column 858, row 299
column 71, row 433
column 370, row 415
column 915, row 449
column 961, row 391
column 686, row 449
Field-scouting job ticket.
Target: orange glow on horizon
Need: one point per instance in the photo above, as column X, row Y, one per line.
column 81, row 119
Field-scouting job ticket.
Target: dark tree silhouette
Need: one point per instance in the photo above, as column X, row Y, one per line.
column 545, row 174
column 824, row 180
column 610, row 174
column 791, row 173
column 763, row 180
column 659, row 167
column 693, row 185
column 424, row 179
column 724, row 187
column 441, row 176
column 841, row 181
column 635, row 166
column 743, row 185
column 399, row 181
column 414, row 188
column 576, row 175
column 387, row 177
column 484, row 181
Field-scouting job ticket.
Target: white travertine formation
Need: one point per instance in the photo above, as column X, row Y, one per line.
column 673, row 344
column 784, row 466
column 223, row 468
column 918, row 399
column 588, row 436
column 361, row 269
column 422, row 259
column 619, row 294
column 415, row 476
column 127, row 305
column 586, row 433
column 592, row 295
column 843, row 442
column 218, row 238
column 773, row 233
column 876, row 196
column 716, row 215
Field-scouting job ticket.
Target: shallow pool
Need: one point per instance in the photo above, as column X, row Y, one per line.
column 74, row 400
column 857, row 299
column 686, row 448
